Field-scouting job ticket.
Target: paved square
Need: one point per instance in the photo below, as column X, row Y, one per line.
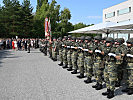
column 34, row 76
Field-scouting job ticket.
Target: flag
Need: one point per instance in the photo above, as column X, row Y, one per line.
column 46, row 27
column 49, row 27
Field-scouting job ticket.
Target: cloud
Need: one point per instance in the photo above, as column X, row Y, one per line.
column 94, row 17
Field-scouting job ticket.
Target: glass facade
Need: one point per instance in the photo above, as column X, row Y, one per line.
column 109, row 15
column 124, row 11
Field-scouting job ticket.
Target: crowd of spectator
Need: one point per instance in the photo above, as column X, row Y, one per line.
column 18, row 44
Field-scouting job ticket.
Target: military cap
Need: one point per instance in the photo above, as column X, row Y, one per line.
column 110, row 39
column 104, row 38
column 65, row 37
column 60, row 38
column 82, row 38
column 74, row 38
column 97, row 38
column 130, row 41
column 69, row 36
column 120, row 40
column 88, row 38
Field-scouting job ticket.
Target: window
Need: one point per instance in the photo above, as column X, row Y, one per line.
column 109, row 15
column 124, row 11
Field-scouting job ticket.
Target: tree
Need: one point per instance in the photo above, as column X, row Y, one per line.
column 26, row 18
column 79, row 25
column 49, row 10
column 64, row 18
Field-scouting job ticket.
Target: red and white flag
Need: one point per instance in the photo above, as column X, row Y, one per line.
column 46, row 27
column 49, row 26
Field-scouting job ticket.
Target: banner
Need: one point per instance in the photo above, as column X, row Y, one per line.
column 46, row 27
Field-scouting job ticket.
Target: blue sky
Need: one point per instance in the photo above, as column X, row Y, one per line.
column 86, row 11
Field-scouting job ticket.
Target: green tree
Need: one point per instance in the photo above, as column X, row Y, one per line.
column 26, row 18
column 49, row 10
column 66, row 26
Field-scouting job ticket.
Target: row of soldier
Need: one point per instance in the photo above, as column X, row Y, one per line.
column 108, row 60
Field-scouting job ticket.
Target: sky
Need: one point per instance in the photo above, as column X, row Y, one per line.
column 85, row 11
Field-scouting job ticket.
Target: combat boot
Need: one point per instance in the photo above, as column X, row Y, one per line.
column 54, row 59
column 80, row 76
column 106, row 93
column 88, row 80
column 99, row 87
column 130, row 92
column 95, row 86
column 117, row 84
column 74, row 72
column 110, row 95
column 61, row 64
column 125, row 90
column 65, row 66
column 69, row 69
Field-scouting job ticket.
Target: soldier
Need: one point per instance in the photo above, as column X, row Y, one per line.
column 60, row 51
column 129, row 58
column 54, row 50
column 69, row 52
column 80, row 61
column 88, row 62
column 45, row 45
column 50, row 48
column 121, row 63
column 29, row 45
column 97, row 68
column 110, row 71
column 74, row 55
column 64, row 52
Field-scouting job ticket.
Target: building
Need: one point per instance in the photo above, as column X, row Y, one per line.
column 119, row 13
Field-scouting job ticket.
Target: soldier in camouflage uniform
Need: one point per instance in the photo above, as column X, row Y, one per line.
column 129, row 59
column 122, row 62
column 64, row 52
column 50, row 48
column 69, row 52
column 54, row 50
column 80, row 61
column 88, row 62
column 97, row 68
column 74, row 55
column 60, row 51
column 110, row 71
column 45, row 47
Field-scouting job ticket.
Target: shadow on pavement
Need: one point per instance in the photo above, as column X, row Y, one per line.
column 5, row 54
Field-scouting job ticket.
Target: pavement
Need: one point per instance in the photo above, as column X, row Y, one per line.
column 33, row 76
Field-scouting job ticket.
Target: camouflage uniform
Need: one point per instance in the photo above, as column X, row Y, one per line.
column 88, row 62
column 74, row 56
column 97, row 68
column 129, row 59
column 64, row 53
column 121, row 64
column 110, row 71
column 80, row 61
column 45, row 47
column 60, row 48
column 54, row 50
column 69, row 53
